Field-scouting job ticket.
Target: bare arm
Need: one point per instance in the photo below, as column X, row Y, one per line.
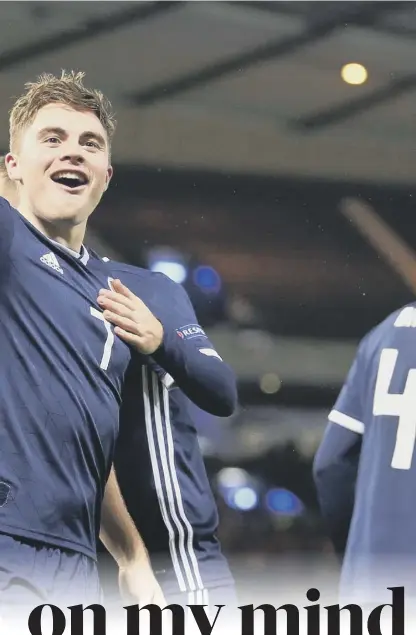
column 121, row 538
column 118, row 532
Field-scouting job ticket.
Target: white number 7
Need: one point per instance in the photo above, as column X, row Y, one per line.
column 109, row 341
column 399, row 405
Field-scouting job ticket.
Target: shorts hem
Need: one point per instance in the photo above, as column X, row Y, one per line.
column 49, row 540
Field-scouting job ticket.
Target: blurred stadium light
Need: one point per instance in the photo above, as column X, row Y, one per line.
column 207, row 279
column 168, row 261
column 243, row 498
column 239, row 489
column 283, row 502
column 354, row 74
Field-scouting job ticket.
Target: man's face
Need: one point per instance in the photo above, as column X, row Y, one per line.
column 61, row 164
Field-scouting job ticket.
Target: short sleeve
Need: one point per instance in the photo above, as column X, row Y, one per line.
column 348, row 410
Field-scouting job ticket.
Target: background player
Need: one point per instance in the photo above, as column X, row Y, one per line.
column 61, row 367
column 365, row 470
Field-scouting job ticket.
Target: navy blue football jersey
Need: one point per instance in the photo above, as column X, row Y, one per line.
column 367, row 461
column 61, row 370
column 158, row 461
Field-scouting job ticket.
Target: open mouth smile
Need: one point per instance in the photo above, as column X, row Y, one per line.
column 71, row 179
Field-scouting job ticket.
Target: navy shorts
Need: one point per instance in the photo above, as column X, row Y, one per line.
column 33, row 573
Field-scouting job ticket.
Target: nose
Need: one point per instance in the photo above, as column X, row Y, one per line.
column 72, row 153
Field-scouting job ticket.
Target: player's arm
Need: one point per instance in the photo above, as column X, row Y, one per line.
column 177, row 344
column 121, row 538
column 336, row 462
column 189, row 357
column 118, row 532
column 335, row 472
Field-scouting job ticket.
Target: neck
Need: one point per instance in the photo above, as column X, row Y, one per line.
column 62, row 232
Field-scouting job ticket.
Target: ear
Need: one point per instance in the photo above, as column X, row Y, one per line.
column 12, row 166
column 109, row 176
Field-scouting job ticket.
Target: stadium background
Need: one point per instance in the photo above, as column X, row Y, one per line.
column 245, row 167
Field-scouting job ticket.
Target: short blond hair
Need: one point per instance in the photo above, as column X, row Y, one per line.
column 67, row 89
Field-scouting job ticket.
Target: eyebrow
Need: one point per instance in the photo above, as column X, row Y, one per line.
column 61, row 132
column 47, row 130
column 94, row 135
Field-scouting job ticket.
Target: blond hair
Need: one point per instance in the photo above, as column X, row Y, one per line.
column 67, row 89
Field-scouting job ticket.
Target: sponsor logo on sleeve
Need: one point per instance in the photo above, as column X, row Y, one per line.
column 190, row 331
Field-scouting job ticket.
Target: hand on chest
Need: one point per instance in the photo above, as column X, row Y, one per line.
column 58, row 296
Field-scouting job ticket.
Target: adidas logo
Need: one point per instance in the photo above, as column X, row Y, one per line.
column 51, row 260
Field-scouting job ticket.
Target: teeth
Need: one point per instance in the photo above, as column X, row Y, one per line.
column 70, row 175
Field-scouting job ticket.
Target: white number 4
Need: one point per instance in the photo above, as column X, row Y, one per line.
column 109, row 341
column 398, row 405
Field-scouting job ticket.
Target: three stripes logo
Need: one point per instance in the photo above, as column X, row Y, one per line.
column 51, row 261
column 168, row 490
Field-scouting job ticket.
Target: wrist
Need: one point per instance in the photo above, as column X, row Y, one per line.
column 158, row 338
column 137, row 556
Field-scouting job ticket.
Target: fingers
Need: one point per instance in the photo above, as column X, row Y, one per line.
column 106, row 295
column 116, row 308
column 121, row 294
column 159, row 599
column 119, row 287
column 126, row 336
column 133, row 321
column 123, row 322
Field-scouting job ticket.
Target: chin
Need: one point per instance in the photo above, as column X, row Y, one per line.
column 69, row 214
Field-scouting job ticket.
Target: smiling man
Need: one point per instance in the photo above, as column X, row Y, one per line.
column 171, row 352
column 184, row 549
column 61, row 366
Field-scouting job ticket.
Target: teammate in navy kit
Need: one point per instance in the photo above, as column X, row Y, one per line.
column 61, row 365
column 365, row 469
column 158, row 460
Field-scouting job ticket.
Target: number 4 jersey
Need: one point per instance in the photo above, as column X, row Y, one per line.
column 61, row 371
column 365, row 468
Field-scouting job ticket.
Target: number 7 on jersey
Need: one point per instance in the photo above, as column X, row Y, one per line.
column 398, row 405
column 109, row 341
